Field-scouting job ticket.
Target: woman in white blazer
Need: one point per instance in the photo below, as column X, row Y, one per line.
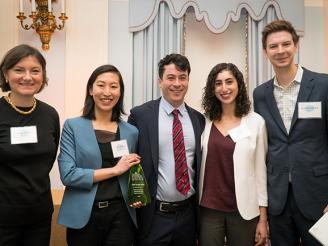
column 233, row 191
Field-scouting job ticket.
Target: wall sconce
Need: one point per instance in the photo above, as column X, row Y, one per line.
column 43, row 20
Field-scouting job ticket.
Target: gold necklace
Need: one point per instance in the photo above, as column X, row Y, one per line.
column 17, row 109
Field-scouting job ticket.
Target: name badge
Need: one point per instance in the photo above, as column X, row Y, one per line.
column 309, row 110
column 23, row 135
column 239, row 133
column 120, row 148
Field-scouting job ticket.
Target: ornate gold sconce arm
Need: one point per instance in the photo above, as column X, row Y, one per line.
column 63, row 18
column 43, row 22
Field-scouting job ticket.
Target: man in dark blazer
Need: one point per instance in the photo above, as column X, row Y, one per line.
column 170, row 219
column 294, row 105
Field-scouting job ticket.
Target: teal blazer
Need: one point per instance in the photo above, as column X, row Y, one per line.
column 78, row 158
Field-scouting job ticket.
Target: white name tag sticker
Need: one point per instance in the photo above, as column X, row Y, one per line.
column 120, row 148
column 309, row 110
column 239, row 133
column 23, row 135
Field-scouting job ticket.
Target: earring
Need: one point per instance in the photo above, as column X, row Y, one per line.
column 7, row 81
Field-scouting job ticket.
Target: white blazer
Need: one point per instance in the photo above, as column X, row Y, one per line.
column 249, row 166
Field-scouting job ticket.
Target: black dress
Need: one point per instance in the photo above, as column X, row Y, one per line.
column 25, row 195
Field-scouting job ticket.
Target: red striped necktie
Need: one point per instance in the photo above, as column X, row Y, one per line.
column 181, row 168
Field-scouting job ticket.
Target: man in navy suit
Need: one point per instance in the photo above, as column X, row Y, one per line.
column 294, row 105
column 170, row 219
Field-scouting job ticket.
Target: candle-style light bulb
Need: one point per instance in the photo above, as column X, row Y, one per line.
column 49, row 6
column 33, row 6
column 63, row 6
column 21, row 8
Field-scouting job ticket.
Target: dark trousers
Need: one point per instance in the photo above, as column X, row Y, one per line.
column 287, row 228
column 110, row 226
column 216, row 225
column 172, row 229
column 37, row 234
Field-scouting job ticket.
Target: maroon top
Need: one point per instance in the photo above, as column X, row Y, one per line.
column 219, row 183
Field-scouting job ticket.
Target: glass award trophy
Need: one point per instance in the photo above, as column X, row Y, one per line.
column 138, row 190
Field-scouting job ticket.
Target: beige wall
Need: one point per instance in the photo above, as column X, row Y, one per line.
column 86, row 48
column 312, row 45
column 323, row 6
column 8, row 26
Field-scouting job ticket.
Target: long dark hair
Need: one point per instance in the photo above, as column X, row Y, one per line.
column 15, row 55
column 212, row 106
column 89, row 104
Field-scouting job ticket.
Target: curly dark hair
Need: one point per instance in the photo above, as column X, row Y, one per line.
column 89, row 103
column 212, row 106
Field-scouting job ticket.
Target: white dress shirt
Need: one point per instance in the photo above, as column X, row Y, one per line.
column 166, row 189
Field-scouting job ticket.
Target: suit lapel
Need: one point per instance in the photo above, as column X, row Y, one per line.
column 197, row 133
column 153, row 113
column 303, row 95
column 195, row 124
column 272, row 106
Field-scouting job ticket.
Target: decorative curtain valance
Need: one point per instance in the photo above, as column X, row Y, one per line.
column 217, row 14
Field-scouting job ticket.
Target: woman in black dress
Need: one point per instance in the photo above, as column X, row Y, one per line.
column 29, row 135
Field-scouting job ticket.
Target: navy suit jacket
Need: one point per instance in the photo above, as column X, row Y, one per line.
column 78, row 158
column 303, row 152
column 145, row 118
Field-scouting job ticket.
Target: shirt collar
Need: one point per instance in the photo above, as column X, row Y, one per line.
column 168, row 108
column 297, row 78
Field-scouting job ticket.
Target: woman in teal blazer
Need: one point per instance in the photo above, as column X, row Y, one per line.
column 94, row 207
